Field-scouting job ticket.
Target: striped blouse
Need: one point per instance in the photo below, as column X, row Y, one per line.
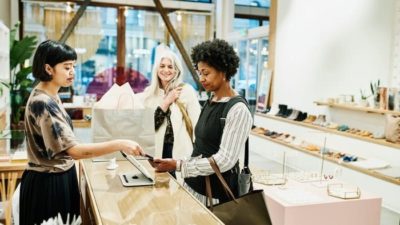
column 238, row 124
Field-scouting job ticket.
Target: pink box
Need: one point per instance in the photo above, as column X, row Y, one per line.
column 305, row 204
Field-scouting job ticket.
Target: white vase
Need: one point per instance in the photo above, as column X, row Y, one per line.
column 363, row 103
column 371, row 102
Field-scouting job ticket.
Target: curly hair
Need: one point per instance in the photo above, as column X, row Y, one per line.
column 218, row 54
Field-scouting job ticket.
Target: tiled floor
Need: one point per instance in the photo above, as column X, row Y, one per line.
column 257, row 161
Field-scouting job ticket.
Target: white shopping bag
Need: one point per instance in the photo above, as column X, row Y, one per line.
column 120, row 114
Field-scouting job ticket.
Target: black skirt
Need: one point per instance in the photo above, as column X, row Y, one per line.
column 44, row 195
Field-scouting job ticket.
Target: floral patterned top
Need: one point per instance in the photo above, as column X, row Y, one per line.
column 49, row 133
column 159, row 117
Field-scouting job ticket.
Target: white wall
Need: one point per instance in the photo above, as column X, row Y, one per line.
column 5, row 12
column 327, row 48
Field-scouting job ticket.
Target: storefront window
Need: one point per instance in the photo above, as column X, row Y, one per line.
column 95, row 40
column 193, row 29
column 240, row 24
column 256, row 3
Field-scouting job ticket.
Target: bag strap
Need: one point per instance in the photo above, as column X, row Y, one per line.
column 214, row 166
column 228, row 106
column 186, row 118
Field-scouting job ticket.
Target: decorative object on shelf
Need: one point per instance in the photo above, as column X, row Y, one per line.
column 392, row 98
column 392, row 128
column 344, row 191
column 267, row 178
column 19, row 84
column 397, row 101
column 363, row 100
column 383, row 98
column 375, row 93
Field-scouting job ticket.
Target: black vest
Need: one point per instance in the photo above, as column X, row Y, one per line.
column 208, row 133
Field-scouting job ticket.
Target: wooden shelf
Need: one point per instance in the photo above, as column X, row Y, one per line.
column 334, row 131
column 357, row 108
column 81, row 123
column 331, row 159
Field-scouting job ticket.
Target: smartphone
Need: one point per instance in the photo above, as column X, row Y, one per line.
column 149, row 157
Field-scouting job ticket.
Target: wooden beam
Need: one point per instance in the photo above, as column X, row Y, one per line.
column 178, row 42
column 121, row 28
column 272, row 43
column 73, row 22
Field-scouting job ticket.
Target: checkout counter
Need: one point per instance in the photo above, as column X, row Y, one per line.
column 104, row 200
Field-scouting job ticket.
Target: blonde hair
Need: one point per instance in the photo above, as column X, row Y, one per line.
column 155, row 84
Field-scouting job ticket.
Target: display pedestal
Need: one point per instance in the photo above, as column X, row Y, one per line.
column 303, row 203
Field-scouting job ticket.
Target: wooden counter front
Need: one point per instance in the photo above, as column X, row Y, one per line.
column 105, row 201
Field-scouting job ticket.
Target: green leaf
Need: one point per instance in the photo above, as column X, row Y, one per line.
column 23, row 73
column 13, row 33
column 25, row 84
column 22, row 50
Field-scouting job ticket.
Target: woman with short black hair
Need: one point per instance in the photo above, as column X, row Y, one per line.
column 219, row 136
column 49, row 184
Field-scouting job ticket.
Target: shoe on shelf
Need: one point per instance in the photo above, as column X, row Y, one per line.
column 269, row 133
column 276, row 135
column 289, row 139
column 332, row 125
column 343, row 127
column 320, row 120
column 287, row 113
column 312, row 147
column 302, row 116
column 282, row 110
column 294, row 114
column 259, row 130
column 283, row 137
column 310, row 119
column 378, row 135
column 273, row 110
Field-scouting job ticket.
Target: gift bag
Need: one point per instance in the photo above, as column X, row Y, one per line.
column 392, row 128
column 119, row 114
column 250, row 208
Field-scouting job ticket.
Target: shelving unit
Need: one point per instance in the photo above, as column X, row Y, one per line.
column 309, row 125
column 357, row 108
column 302, row 159
column 334, row 160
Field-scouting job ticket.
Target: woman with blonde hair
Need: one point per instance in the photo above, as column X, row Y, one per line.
column 177, row 108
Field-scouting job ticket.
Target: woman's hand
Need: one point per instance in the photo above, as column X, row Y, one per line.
column 164, row 165
column 130, row 147
column 170, row 98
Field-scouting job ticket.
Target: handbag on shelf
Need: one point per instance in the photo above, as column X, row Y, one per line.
column 246, row 209
column 392, row 128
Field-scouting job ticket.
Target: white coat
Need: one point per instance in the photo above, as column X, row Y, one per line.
column 183, row 145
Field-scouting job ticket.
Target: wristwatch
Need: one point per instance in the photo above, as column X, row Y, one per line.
column 178, row 165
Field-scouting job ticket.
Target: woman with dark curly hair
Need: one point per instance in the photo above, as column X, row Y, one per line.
column 219, row 136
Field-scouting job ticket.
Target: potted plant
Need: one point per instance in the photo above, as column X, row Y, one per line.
column 19, row 84
column 375, row 93
column 363, row 101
